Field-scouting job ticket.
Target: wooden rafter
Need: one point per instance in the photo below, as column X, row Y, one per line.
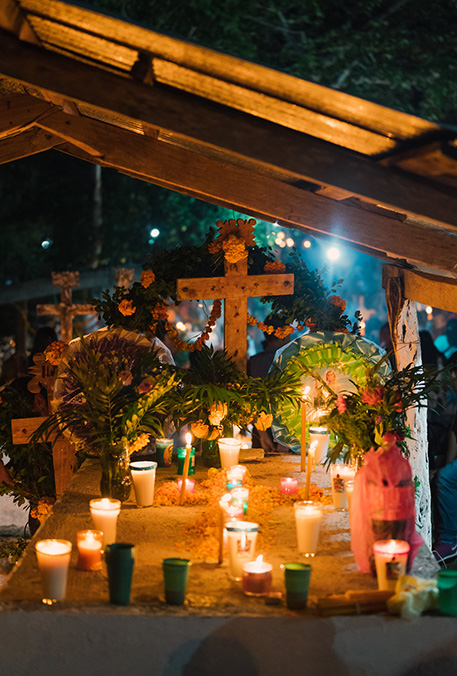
column 235, row 133
column 19, row 112
column 28, row 143
column 423, row 288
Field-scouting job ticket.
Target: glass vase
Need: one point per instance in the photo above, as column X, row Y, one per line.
column 115, row 481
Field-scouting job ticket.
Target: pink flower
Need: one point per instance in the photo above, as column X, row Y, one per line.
column 341, row 404
column 373, row 398
column 144, row 387
column 125, row 377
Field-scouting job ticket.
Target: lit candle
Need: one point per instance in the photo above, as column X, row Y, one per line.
column 309, row 466
column 229, row 451
column 349, row 487
column 89, row 544
column 190, row 485
column 257, row 577
column 303, row 429
column 288, row 485
column 321, row 436
column 53, row 561
column 228, row 513
column 242, row 536
column 235, row 476
column 143, row 476
column 185, row 470
column 105, row 512
column 308, row 517
column 391, row 557
column 340, row 473
column 240, row 496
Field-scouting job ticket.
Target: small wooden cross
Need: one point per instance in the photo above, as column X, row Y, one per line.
column 235, row 288
column 66, row 310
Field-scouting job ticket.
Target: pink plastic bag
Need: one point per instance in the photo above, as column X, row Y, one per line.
column 383, row 506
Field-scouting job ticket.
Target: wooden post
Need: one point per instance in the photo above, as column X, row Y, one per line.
column 405, row 339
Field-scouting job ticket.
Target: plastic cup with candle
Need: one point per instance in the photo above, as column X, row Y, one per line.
column 288, row 485
column 53, row 561
column 164, row 452
column 308, row 517
column 237, row 473
column 242, row 536
column 321, row 436
column 105, row 512
column 240, row 496
column 297, row 577
column 120, row 559
column 89, row 543
column 143, row 476
column 175, row 574
column 391, row 557
column 190, row 485
column 257, row 577
column 340, row 473
column 349, row 487
column 229, row 451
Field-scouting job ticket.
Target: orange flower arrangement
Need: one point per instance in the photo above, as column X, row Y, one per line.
column 54, row 352
column 127, row 308
column 147, row 278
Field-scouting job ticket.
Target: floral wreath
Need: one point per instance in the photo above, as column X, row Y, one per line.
column 144, row 307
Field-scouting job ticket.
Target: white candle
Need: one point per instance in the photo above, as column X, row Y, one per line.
column 89, row 543
column 308, row 516
column 53, row 561
column 190, row 485
column 321, row 436
column 143, row 476
column 242, row 536
column 229, row 451
column 240, row 496
column 105, row 512
column 391, row 557
column 288, row 485
column 257, row 577
column 340, row 473
column 349, row 487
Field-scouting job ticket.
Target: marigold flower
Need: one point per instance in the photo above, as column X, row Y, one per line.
column 140, row 442
column 337, row 301
column 217, row 412
column 274, row 266
column 234, row 249
column 147, row 278
column 264, row 421
column 127, row 308
column 374, row 397
column 341, row 404
column 54, row 352
column 199, row 429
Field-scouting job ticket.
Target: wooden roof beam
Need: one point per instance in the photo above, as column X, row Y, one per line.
column 422, row 288
column 236, row 133
column 241, row 188
column 19, row 112
column 28, row 143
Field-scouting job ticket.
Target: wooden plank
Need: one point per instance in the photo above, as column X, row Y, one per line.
column 20, row 110
column 243, row 190
column 28, row 143
column 231, row 287
column 439, row 292
column 23, row 428
column 334, row 103
column 236, row 133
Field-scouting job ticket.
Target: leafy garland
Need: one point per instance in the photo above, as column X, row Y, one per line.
column 144, row 307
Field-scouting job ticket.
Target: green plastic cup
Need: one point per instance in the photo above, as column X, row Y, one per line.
column 175, row 573
column 120, row 559
column 297, row 576
column 447, row 592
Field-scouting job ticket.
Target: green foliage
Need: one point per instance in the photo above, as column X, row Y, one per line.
column 30, row 465
column 12, row 549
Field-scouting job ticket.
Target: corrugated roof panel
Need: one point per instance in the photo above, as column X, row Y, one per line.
column 78, row 42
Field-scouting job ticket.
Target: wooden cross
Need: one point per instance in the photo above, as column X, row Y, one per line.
column 66, row 310
column 235, row 288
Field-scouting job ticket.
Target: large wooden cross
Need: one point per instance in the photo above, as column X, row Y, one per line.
column 66, row 310
column 235, row 288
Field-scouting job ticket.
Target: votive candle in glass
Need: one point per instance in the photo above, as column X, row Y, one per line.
column 237, row 473
column 320, row 436
column 242, row 536
column 53, row 561
column 349, row 487
column 181, row 458
column 105, row 512
column 229, row 451
column 308, row 517
column 89, row 543
column 190, row 485
column 240, row 496
column 391, row 557
column 288, row 485
column 257, row 577
column 143, row 476
column 340, row 473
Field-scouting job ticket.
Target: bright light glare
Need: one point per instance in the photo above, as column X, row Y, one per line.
column 154, row 232
column 281, row 234
column 180, row 326
column 46, row 243
column 290, row 242
column 333, row 253
column 307, row 244
column 429, row 310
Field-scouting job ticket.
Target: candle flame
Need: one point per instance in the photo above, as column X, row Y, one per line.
column 188, row 439
column 259, row 559
column 243, row 540
column 306, row 390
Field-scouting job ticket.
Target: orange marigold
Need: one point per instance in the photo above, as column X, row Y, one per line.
column 274, row 266
column 263, row 421
column 234, row 249
column 199, row 429
column 337, row 301
column 53, row 353
column 140, row 442
column 127, row 308
column 147, row 278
